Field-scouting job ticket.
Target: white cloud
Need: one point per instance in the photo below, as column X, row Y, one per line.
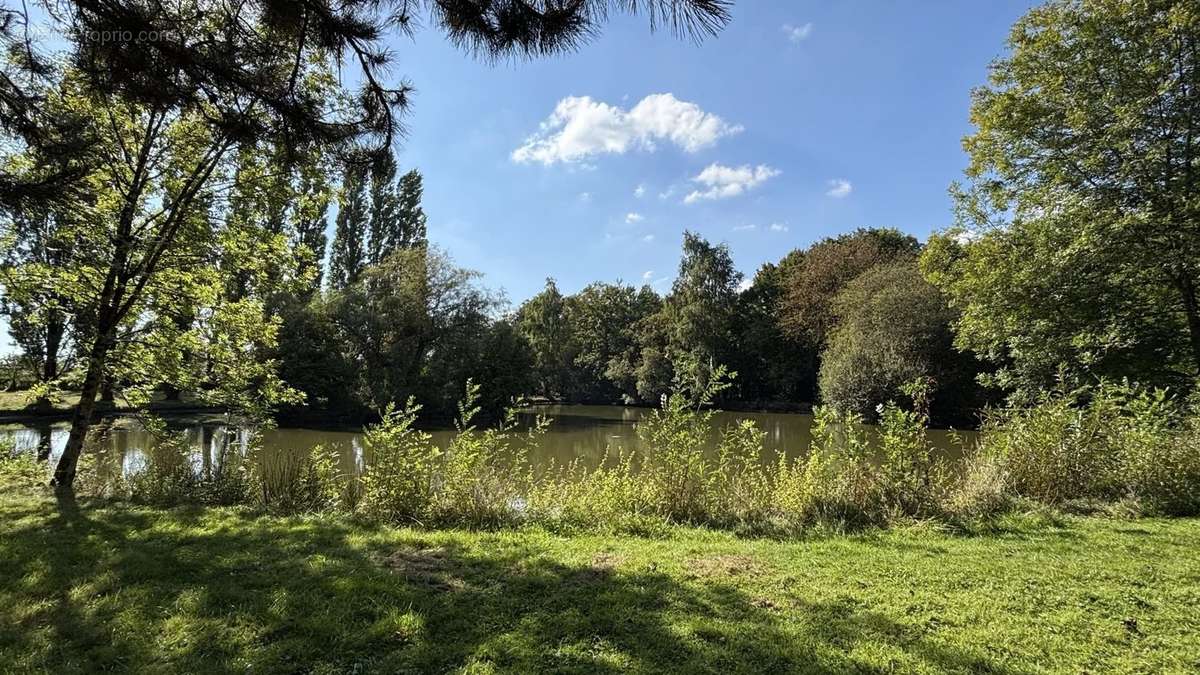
column 647, row 275
column 745, row 284
column 778, row 227
column 585, row 196
column 797, row 33
column 839, row 188
column 581, row 127
column 723, row 182
column 640, row 191
column 744, row 228
column 634, row 217
column 648, row 238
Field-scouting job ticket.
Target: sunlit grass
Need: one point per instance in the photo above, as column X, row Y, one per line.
column 93, row 586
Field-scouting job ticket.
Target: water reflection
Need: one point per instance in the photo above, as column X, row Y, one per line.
column 578, row 433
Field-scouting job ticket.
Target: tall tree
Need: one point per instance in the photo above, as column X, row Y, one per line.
column 38, row 310
column 410, row 229
column 699, row 312
column 348, row 256
column 1078, row 246
column 384, row 209
column 543, row 322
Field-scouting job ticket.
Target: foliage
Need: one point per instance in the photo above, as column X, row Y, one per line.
column 816, row 275
column 1108, row 442
column 892, row 328
column 1076, row 249
column 400, row 464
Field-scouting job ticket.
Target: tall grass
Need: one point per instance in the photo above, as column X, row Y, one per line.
column 1109, row 444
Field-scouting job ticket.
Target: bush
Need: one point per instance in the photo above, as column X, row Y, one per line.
column 172, row 472
column 983, row 491
column 837, row 486
column 611, row 496
column 399, row 466
column 485, row 475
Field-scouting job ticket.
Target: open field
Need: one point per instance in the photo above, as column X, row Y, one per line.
column 94, row 586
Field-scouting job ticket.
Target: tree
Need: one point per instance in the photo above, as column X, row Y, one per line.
column 604, row 321
column 409, row 230
column 147, row 243
column 542, row 321
column 700, row 309
column 893, row 328
column 384, row 209
column 1078, row 245
column 38, row 311
column 414, row 325
column 819, row 273
column 771, row 364
column 349, row 254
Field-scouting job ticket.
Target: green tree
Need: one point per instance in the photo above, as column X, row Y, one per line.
column 1078, row 245
column 38, row 311
column 410, row 229
column 542, row 321
column 772, row 365
column 892, row 329
column 700, row 310
column 384, row 209
column 605, row 319
column 348, row 256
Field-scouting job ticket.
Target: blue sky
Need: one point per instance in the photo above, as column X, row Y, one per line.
column 801, row 120
column 791, row 96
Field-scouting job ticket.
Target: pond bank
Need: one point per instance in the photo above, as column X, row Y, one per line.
column 94, row 586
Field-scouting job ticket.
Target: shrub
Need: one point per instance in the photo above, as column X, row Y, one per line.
column 171, row 471
column 1159, row 460
column 19, row 468
column 486, row 474
column 301, row 481
column 836, row 487
column 400, row 464
column 611, row 496
column 982, row 492
column 741, row 486
column 1059, row 449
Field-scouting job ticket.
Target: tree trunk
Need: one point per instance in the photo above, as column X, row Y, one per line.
column 106, row 390
column 64, row 473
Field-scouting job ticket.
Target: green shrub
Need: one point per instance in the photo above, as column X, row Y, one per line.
column 399, row 467
column 837, row 486
column 170, row 475
column 485, row 475
column 612, row 496
column 20, row 468
column 301, row 481
column 1060, row 449
column 1159, row 462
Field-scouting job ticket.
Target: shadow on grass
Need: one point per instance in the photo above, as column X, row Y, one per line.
column 85, row 589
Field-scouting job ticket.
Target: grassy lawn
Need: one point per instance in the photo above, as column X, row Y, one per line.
column 89, row 586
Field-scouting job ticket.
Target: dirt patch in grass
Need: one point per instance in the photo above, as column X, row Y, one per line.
column 724, row 566
column 432, row 567
column 607, row 561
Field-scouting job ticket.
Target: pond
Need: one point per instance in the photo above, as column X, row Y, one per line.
column 577, row 432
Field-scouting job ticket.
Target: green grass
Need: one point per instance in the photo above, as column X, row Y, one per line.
column 93, row 586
